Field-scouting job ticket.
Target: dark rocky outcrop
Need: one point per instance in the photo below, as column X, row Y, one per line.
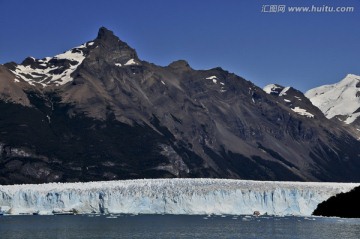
column 342, row 205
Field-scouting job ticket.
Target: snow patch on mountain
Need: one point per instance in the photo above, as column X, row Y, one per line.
column 269, row 88
column 303, row 112
column 273, row 89
column 49, row 73
column 211, row 78
column 131, row 62
column 170, row 196
column 283, row 92
column 72, row 55
column 339, row 99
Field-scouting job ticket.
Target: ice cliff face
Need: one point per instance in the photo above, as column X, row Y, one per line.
column 170, row 196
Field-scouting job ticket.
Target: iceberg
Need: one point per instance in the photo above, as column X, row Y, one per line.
column 170, row 196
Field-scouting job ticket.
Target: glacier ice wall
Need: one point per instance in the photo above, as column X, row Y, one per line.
column 170, row 196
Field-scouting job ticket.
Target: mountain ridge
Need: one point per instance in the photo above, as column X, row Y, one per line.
column 106, row 114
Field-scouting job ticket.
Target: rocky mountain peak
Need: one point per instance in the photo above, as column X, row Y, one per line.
column 107, row 38
column 109, row 49
column 105, row 33
column 60, row 69
column 180, row 65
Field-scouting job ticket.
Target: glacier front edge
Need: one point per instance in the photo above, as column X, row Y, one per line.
column 170, row 196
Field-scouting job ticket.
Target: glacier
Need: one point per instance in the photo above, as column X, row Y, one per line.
column 170, row 196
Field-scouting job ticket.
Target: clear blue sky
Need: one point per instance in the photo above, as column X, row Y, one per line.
column 303, row 50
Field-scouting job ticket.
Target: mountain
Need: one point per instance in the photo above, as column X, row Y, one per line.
column 294, row 100
column 98, row 112
column 340, row 102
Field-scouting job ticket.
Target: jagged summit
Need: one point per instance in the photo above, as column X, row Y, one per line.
column 180, row 65
column 109, row 49
column 60, row 69
column 105, row 33
column 106, row 38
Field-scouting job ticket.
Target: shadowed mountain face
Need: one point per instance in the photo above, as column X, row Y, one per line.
column 98, row 112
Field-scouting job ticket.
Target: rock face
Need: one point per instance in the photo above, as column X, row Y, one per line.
column 98, row 112
column 341, row 205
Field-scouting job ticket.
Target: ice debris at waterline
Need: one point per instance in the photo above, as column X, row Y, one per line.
column 169, row 196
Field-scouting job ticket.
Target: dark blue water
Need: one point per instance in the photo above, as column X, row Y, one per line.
column 171, row 226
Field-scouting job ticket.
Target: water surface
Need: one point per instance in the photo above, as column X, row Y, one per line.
column 176, row 226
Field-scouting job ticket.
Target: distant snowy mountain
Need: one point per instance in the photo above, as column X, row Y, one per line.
column 98, row 112
column 293, row 99
column 340, row 100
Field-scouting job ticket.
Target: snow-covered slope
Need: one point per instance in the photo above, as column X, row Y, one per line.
column 55, row 70
column 170, row 196
column 293, row 99
column 273, row 89
column 340, row 99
